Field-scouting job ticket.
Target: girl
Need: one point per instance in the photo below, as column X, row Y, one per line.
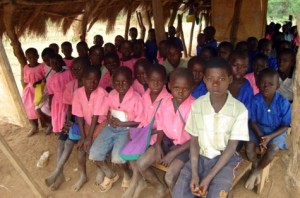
column 140, row 69
column 33, row 73
column 96, row 55
column 265, row 47
column 65, row 145
column 138, row 50
column 56, row 85
column 118, row 41
column 208, row 53
column 66, row 49
column 89, row 105
column 156, row 79
column 126, row 111
column 126, row 50
column 109, row 48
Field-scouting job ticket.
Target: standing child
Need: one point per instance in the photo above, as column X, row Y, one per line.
column 133, row 33
column 140, row 69
column 174, row 59
column 172, row 143
column 65, row 145
column 200, row 43
column 82, row 49
column 98, row 40
column 89, row 105
column 125, row 111
column 265, row 47
column 33, row 73
column 118, row 41
column 66, row 49
column 151, row 46
column 260, row 62
column 157, row 92
column 56, row 85
column 209, row 34
column 217, row 123
column 270, row 119
column 55, row 47
column 138, row 50
column 126, row 50
column 96, row 55
column 196, row 65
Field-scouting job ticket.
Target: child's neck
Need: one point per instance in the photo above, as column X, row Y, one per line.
column 218, row 102
column 269, row 99
column 88, row 93
column 33, row 65
column 153, row 96
column 176, row 65
column 126, row 58
column 284, row 75
column 69, row 57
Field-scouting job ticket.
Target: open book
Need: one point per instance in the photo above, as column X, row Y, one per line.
column 121, row 115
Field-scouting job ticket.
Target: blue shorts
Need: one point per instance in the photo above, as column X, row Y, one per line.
column 279, row 140
column 220, row 184
column 110, row 139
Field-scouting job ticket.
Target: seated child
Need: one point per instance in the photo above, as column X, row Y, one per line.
column 151, row 46
column 140, row 69
column 265, row 47
column 209, row 34
column 174, row 59
column 126, row 111
column 162, row 52
column 98, row 40
column 172, row 39
column 96, row 55
column 286, row 63
column 157, row 92
column 241, row 46
column 172, row 144
column 260, row 62
column 217, row 123
column 65, row 145
column 33, row 73
column 126, row 50
column 82, row 49
column 269, row 121
column 224, row 49
column 252, row 43
column 111, row 62
column 196, row 65
column 66, row 49
column 55, row 47
column 240, row 87
column 89, row 105
column 208, row 53
column 56, row 85
column 200, row 43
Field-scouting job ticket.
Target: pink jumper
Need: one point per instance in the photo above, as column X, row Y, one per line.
column 250, row 77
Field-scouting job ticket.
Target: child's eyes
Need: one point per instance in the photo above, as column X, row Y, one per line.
column 222, row 79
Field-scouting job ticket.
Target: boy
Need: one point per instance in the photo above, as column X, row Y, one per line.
column 216, row 123
column 174, row 59
column 269, row 121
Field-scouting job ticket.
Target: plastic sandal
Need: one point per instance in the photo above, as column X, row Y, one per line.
column 107, row 183
column 125, row 184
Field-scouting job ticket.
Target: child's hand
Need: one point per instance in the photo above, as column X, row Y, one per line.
column 80, row 144
column 159, row 154
column 194, row 186
column 166, row 161
column 66, row 127
column 204, row 186
column 87, row 144
column 264, row 142
column 115, row 122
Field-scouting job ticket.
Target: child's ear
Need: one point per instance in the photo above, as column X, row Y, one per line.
column 230, row 79
column 169, row 85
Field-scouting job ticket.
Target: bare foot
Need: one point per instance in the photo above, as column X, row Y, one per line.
column 142, row 184
column 51, row 179
column 48, row 130
column 253, row 180
column 82, row 180
column 60, row 179
column 32, row 132
column 100, row 177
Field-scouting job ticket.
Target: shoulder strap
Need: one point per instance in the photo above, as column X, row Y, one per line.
column 153, row 119
column 177, row 108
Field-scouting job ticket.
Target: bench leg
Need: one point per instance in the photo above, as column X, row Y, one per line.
column 263, row 178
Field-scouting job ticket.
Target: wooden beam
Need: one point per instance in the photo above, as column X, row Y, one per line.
column 235, row 20
column 141, row 24
column 48, row 3
column 149, row 19
column 128, row 21
column 158, row 17
column 12, row 86
column 180, row 30
column 191, row 38
column 173, row 14
column 17, row 164
column 84, row 22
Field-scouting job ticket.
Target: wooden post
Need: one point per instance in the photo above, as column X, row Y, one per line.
column 158, row 17
column 293, row 167
column 12, row 86
column 141, row 24
column 17, row 164
column 149, row 19
column 191, row 38
column 179, row 29
column 85, row 20
column 128, row 21
column 173, row 14
column 235, row 20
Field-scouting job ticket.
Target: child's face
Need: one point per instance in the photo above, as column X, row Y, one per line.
column 121, row 83
column 224, row 53
column 217, row 81
column 118, row 41
column 109, row 49
column 82, row 51
column 198, row 73
column 163, row 50
column 32, row 58
column 138, row 50
column 239, row 67
column 96, row 57
column 258, row 66
column 155, row 82
column 77, row 70
column 98, row 40
column 285, row 63
column 133, row 34
column 111, row 64
column 180, row 88
column 174, row 56
column 54, row 64
column 90, row 82
column 67, row 50
column 206, row 55
column 267, row 49
column 126, row 49
column 140, row 75
column 268, row 86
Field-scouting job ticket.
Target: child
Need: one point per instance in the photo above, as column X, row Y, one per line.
column 172, row 143
column 217, row 123
column 126, row 50
column 65, row 145
column 33, row 73
column 225, row 48
column 174, row 59
column 98, row 40
column 270, row 119
column 265, row 47
column 162, row 52
column 241, row 46
column 111, row 62
column 208, row 53
column 125, row 111
column 200, row 43
column 82, row 49
column 138, row 50
column 109, row 48
column 66, row 49
column 118, row 41
column 140, row 69
column 196, row 65
column 56, row 85
column 151, row 46
column 133, row 33
column 157, row 92
column 286, row 63
column 174, row 40
column 55, row 47
column 89, row 105
column 209, row 34
column 240, row 87
column 260, row 62
column 96, row 54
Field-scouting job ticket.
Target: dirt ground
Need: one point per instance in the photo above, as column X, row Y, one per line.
column 29, row 150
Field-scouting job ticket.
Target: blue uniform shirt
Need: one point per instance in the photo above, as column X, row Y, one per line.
column 245, row 95
column 200, row 90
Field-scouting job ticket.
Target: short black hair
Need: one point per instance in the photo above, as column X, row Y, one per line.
column 127, row 42
column 268, row 72
column 263, row 42
column 94, row 48
column 91, row 70
column 82, row 44
column 227, row 45
column 260, row 56
column 210, row 30
column 195, row 60
column 84, row 61
column 210, row 49
column 65, row 44
column 182, row 73
column 172, row 44
column 125, row 71
column 145, row 63
column 132, row 29
column 238, row 54
column 218, row 63
column 31, row 50
column 112, row 55
column 59, row 58
column 159, row 69
column 47, row 52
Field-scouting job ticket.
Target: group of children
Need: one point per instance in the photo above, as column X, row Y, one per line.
column 206, row 109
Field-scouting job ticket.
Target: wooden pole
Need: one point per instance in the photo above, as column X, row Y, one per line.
column 179, row 28
column 17, row 164
column 157, row 10
column 173, row 14
column 235, row 20
column 293, row 167
column 12, row 86
column 85, row 20
column 149, row 19
column 141, row 24
column 127, row 22
column 191, row 38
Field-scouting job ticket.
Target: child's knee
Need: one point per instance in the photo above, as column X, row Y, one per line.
column 272, row 151
column 170, row 179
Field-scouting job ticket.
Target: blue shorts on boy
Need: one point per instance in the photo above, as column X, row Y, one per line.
column 270, row 118
column 214, row 130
